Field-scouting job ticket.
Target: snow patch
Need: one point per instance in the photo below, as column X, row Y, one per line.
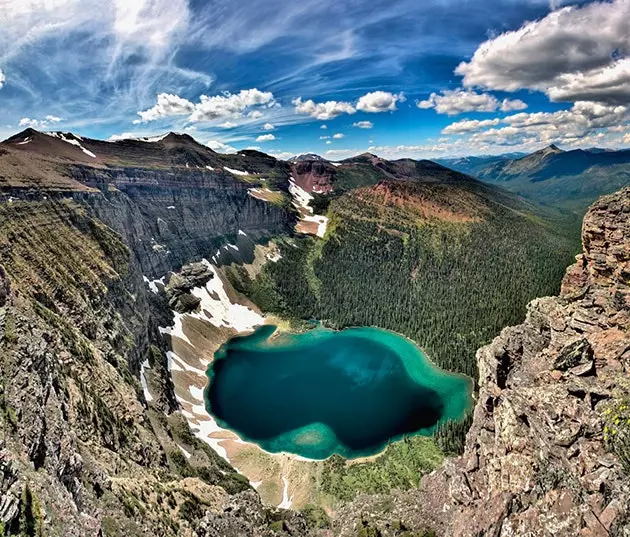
column 171, row 207
column 210, row 168
column 143, row 381
column 301, row 200
column 71, row 141
column 186, row 453
column 235, row 172
column 241, row 232
column 25, row 141
column 153, row 284
column 286, row 501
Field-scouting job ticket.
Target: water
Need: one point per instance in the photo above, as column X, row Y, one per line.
column 321, row 392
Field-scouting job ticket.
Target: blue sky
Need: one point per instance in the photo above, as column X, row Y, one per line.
column 395, row 77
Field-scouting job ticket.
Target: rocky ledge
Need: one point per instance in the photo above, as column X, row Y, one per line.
column 549, row 449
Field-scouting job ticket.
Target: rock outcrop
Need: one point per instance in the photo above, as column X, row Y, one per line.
column 549, row 441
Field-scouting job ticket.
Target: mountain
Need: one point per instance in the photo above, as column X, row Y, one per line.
column 569, row 179
column 307, row 157
column 108, row 321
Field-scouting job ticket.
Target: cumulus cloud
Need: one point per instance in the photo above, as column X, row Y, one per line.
column 324, row 126
column 167, row 105
column 122, row 136
column 2, row 78
column 229, row 105
column 268, row 127
column 469, row 125
column 338, row 136
column 266, row 138
column 38, row 123
column 226, row 105
column 323, row 111
column 220, row 147
column 583, row 121
column 458, row 101
column 228, row 125
column 373, row 102
column 379, row 101
column 575, row 53
column 363, row 124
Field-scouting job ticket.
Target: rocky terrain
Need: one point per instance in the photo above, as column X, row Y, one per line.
column 546, row 452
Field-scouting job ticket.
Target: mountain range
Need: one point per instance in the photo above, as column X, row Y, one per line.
column 568, row 179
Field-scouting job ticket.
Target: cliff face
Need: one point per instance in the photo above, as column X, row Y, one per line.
column 536, row 460
column 171, row 218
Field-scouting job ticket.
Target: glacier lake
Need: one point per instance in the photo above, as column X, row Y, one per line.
column 321, row 392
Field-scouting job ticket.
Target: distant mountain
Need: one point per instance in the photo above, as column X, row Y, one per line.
column 472, row 165
column 307, row 157
column 569, row 179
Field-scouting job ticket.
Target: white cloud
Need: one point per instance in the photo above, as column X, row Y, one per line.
column 582, row 121
column 322, row 111
column 281, row 155
column 167, row 105
column 324, row 126
column 122, row 136
column 338, row 136
column 575, row 53
column 328, row 142
column 229, row 105
column 266, row 138
column 228, row 125
column 38, row 123
column 379, row 101
column 2, row 78
column 255, row 114
column 363, row 124
column 626, row 139
column 453, row 102
column 220, row 147
column 469, row 125
column 268, row 127
column 512, row 105
column 226, row 105
column 324, row 137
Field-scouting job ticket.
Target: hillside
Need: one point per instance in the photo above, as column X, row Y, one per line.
column 435, row 255
column 567, row 179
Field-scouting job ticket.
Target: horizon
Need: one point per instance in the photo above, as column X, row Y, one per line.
column 158, row 137
column 447, row 79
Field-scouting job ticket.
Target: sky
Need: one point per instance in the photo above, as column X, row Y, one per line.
column 399, row 78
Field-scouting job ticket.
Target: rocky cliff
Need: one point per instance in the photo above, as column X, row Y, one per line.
column 549, row 447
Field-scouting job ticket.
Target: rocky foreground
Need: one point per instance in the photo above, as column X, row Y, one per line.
column 549, row 440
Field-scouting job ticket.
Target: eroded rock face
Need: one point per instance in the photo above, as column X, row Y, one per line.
column 535, row 460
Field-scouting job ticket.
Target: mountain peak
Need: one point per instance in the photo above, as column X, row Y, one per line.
column 307, row 156
column 551, row 149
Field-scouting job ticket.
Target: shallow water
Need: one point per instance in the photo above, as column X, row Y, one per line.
column 323, row 391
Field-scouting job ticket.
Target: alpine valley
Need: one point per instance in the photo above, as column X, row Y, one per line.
column 206, row 344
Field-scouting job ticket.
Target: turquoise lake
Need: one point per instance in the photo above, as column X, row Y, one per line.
column 321, row 392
